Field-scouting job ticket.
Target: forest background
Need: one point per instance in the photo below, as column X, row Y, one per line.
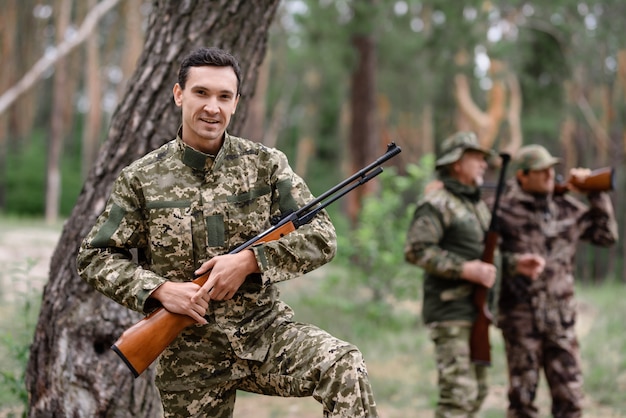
column 515, row 72
column 340, row 80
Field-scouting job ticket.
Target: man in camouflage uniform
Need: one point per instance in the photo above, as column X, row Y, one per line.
column 183, row 207
column 446, row 239
column 538, row 316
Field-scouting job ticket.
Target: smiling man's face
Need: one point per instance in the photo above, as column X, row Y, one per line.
column 208, row 101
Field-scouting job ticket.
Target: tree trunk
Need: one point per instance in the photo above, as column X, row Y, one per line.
column 61, row 106
column 93, row 89
column 8, row 33
column 71, row 370
column 365, row 139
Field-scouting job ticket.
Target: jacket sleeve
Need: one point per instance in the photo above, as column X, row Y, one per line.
column 303, row 250
column 105, row 259
column 422, row 244
column 598, row 223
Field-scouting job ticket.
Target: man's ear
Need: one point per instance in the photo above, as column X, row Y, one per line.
column 178, row 93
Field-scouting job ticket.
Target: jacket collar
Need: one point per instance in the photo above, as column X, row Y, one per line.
column 198, row 160
column 463, row 190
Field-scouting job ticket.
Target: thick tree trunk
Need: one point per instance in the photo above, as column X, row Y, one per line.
column 71, row 370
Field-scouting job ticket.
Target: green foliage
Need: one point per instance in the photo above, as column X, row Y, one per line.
column 26, row 179
column 374, row 250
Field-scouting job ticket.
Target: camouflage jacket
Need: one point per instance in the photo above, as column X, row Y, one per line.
column 550, row 226
column 178, row 207
column 447, row 229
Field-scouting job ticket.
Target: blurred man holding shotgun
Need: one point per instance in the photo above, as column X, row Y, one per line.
column 446, row 239
column 537, row 314
column 182, row 208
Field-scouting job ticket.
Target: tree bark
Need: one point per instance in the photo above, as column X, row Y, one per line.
column 364, row 138
column 71, row 370
column 93, row 90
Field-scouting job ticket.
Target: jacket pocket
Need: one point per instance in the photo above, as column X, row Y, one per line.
column 171, row 246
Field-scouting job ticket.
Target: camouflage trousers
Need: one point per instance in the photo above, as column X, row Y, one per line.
column 303, row 360
column 462, row 385
column 537, row 339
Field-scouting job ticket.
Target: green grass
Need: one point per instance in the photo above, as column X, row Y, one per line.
column 17, row 324
column 604, row 349
column 400, row 355
column 393, row 340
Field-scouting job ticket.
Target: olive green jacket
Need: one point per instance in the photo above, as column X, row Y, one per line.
column 447, row 229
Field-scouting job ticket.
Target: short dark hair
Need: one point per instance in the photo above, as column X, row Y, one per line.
column 208, row 57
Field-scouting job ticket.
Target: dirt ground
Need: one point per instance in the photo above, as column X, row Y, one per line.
column 36, row 244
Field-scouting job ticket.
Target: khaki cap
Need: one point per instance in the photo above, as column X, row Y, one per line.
column 453, row 148
column 534, row 157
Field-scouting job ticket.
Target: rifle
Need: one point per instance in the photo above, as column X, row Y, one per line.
column 142, row 343
column 480, row 347
column 599, row 180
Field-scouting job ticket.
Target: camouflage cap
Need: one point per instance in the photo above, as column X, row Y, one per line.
column 534, row 157
column 453, row 148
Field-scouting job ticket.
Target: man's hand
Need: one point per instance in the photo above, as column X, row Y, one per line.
column 530, row 265
column 579, row 174
column 177, row 298
column 479, row 272
column 227, row 274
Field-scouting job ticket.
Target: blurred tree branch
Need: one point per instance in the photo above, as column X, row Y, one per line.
column 49, row 59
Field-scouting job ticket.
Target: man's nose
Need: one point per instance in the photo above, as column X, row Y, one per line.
column 210, row 105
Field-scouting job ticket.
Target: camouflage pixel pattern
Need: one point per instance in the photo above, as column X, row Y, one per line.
column 330, row 370
column 178, row 208
column 463, row 386
column 538, row 317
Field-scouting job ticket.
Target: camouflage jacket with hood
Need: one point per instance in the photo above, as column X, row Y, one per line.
column 447, row 229
column 550, row 226
column 178, row 208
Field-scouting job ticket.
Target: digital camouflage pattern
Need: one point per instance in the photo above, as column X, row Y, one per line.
column 178, row 208
column 448, row 229
column 538, row 317
column 463, row 385
column 330, row 370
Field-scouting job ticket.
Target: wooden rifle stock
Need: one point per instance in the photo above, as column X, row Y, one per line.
column 599, row 180
column 143, row 342
column 480, row 346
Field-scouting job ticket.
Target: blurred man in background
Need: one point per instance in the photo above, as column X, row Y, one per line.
column 537, row 315
column 446, row 239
